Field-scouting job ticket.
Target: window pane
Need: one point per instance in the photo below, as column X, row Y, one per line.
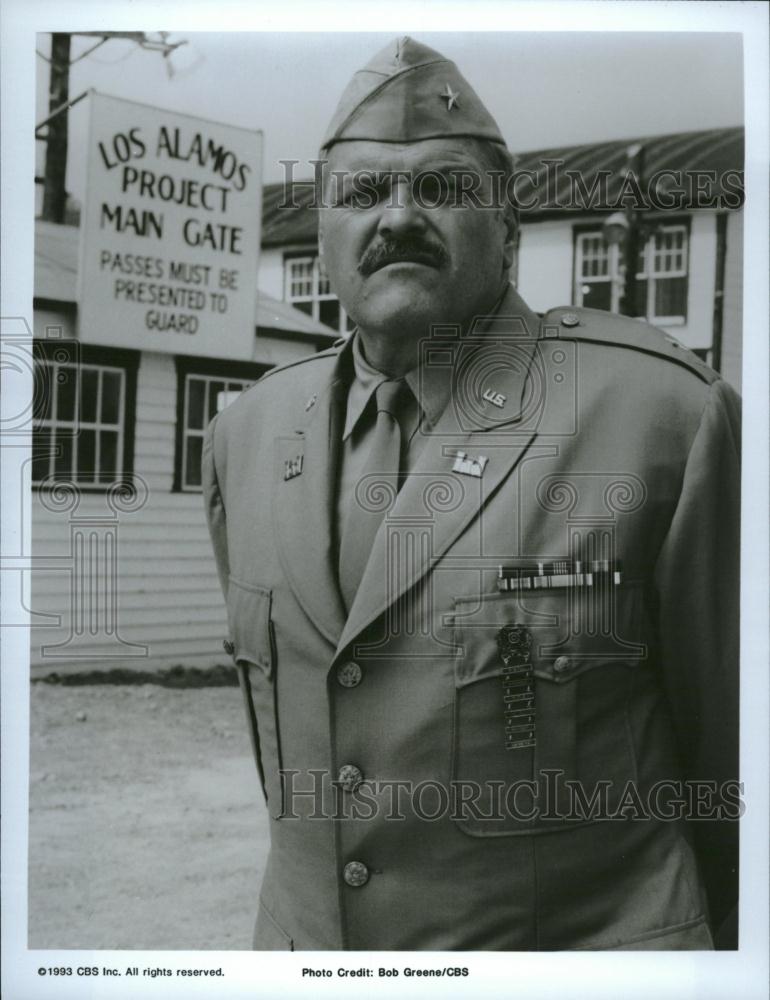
column 594, row 257
column 300, row 278
column 41, row 450
column 640, row 297
column 329, row 313
column 193, row 451
column 196, row 393
column 66, row 378
column 214, row 389
column 111, row 397
column 89, row 387
column 306, row 307
column 108, row 456
column 86, row 471
column 671, row 297
column 597, row 295
column 63, row 460
column 44, row 378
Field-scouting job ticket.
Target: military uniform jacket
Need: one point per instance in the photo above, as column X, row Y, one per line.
column 554, row 607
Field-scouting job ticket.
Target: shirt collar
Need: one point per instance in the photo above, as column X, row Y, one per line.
column 431, row 387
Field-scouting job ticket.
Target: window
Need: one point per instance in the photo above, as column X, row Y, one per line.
column 204, row 388
column 204, row 397
column 661, row 280
column 82, row 401
column 661, row 276
column 307, row 288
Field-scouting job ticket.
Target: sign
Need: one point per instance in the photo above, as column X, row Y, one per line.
column 170, row 232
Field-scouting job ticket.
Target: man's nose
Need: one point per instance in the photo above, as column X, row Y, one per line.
column 401, row 214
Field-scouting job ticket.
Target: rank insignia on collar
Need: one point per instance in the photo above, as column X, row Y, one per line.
column 495, row 398
column 467, row 466
column 292, row 467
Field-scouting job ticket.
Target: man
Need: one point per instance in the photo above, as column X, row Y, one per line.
column 481, row 574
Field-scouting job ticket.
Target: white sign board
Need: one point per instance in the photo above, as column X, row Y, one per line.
column 170, row 232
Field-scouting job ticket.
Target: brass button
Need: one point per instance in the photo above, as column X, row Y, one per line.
column 570, row 320
column 349, row 674
column 355, row 873
column 350, row 777
column 561, row 664
column 228, row 647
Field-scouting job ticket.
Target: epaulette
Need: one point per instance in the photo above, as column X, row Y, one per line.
column 599, row 327
column 330, row 352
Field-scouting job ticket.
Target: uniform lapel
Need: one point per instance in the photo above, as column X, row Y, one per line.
column 437, row 501
column 302, row 508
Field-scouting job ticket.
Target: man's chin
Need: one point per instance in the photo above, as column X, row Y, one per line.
column 403, row 305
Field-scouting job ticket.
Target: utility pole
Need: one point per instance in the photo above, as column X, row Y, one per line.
column 54, row 192
column 56, row 137
column 633, row 235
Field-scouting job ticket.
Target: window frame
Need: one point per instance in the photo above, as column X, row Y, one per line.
column 591, row 229
column 82, row 357
column 315, row 298
column 215, row 370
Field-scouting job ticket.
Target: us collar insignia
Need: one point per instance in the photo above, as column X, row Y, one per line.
column 495, row 398
column 451, row 97
column 468, row 466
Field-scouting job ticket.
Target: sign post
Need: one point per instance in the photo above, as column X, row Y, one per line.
column 170, row 232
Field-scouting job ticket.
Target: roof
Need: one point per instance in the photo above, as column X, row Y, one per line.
column 288, row 216
column 56, row 271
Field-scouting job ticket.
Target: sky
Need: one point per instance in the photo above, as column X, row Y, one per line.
column 544, row 89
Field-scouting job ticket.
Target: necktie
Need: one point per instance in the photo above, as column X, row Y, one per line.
column 377, row 488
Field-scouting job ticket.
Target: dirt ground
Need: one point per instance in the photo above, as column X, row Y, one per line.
column 147, row 825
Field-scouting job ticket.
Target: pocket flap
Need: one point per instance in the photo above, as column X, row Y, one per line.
column 248, row 614
column 570, row 631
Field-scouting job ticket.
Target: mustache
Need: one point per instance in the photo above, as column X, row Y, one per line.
column 411, row 248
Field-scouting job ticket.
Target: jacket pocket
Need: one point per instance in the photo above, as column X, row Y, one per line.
column 251, row 632
column 542, row 685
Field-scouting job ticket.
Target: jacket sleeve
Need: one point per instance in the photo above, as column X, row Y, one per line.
column 697, row 577
column 215, row 508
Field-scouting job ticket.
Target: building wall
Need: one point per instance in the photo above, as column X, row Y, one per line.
column 270, row 278
column 545, row 264
column 168, row 600
column 698, row 331
column 732, row 320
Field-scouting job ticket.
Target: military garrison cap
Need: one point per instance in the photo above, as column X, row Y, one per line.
column 409, row 92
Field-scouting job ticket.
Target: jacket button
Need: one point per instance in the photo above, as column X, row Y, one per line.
column 228, row 647
column 561, row 664
column 355, row 873
column 350, row 777
column 349, row 674
column 570, row 320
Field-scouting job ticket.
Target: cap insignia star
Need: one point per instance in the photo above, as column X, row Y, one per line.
column 450, row 96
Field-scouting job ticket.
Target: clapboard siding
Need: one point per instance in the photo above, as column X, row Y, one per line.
column 168, row 597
